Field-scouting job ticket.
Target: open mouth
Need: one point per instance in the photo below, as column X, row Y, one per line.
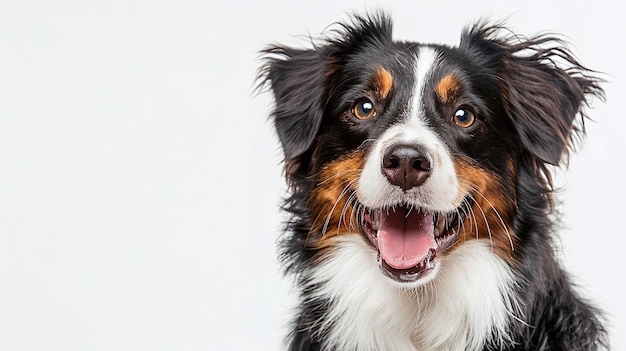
column 408, row 239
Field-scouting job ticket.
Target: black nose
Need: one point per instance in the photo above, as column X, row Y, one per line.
column 406, row 166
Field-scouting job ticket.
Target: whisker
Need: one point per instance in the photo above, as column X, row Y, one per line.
column 495, row 210
column 473, row 219
column 354, row 216
column 337, row 175
column 348, row 203
column 332, row 210
column 504, row 226
column 365, row 142
column 463, row 212
column 486, row 223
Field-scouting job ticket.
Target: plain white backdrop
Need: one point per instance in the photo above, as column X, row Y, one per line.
column 140, row 179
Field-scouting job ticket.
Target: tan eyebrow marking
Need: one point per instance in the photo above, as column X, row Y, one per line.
column 448, row 87
column 383, row 82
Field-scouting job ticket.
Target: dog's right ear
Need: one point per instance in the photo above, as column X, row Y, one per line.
column 301, row 79
column 298, row 80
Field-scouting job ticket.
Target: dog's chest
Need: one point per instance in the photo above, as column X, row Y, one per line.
column 468, row 304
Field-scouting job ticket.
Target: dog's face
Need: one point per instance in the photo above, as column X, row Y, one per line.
column 415, row 147
column 402, row 159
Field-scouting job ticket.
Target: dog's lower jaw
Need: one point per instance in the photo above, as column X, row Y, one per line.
column 430, row 234
column 367, row 312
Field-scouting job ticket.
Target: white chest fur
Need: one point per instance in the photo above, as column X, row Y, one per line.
column 469, row 302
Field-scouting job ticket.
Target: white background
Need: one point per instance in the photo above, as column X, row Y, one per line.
column 140, row 179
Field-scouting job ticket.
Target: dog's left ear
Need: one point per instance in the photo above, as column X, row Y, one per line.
column 544, row 89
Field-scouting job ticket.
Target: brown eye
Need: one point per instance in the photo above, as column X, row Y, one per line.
column 364, row 109
column 464, row 118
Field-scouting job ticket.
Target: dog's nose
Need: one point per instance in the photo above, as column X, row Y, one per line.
column 406, row 166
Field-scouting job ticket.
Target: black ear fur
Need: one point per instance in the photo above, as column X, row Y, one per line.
column 298, row 81
column 301, row 79
column 545, row 89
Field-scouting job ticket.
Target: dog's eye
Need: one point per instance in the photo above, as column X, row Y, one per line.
column 364, row 109
column 464, row 117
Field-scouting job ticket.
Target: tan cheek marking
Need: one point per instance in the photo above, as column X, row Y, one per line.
column 332, row 212
column 383, row 82
column 447, row 88
column 491, row 214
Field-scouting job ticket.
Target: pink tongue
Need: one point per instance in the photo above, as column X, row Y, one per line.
column 405, row 240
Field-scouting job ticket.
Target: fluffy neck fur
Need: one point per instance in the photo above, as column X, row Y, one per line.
column 468, row 304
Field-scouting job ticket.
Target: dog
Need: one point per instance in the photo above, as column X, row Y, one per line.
column 420, row 189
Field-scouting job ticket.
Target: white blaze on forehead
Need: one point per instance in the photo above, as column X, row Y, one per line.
column 426, row 61
column 440, row 191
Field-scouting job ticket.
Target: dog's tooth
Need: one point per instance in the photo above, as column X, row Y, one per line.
column 441, row 224
column 377, row 215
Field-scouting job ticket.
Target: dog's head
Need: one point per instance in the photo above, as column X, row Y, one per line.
column 419, row 148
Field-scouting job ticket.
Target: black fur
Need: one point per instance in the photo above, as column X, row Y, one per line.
column 531, row 94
